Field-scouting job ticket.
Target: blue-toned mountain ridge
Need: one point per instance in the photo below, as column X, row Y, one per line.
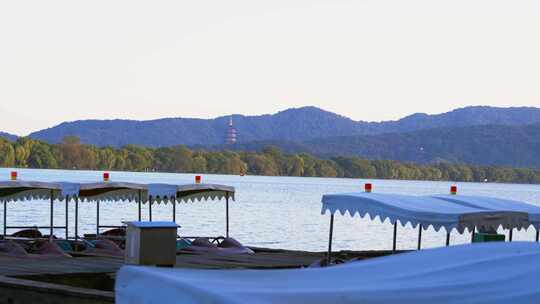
column 292, row 125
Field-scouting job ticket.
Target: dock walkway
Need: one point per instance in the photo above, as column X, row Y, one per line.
column 90, row 279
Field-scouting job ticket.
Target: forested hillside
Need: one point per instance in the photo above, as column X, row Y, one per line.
column 515, row 146
column 71, row 154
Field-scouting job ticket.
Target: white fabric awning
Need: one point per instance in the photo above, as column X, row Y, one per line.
column 496, row 204
column 164, row 193
column 27, row 190
column 488, row 273
column 417, row 210
column 113, row 191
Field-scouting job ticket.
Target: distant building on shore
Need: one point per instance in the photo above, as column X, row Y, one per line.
column 232, row 135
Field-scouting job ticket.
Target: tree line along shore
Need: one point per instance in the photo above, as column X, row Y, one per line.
column 71, row 154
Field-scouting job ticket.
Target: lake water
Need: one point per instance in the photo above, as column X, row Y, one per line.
column 275, row 212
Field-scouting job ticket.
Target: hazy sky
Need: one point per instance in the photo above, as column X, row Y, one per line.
column 369, row 60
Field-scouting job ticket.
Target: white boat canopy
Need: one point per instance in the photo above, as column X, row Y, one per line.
column 422, row 211
column 489, row 273
column 496, row 204
column 104, row 191
column 157, row 193
column 425, row 211
column 12, row 191
column 15, row 190
column 188, row 193
column 110, row 191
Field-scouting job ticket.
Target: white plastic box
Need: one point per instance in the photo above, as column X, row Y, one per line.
column 151, row 243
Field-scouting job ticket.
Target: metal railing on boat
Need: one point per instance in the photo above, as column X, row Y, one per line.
column 51, row 226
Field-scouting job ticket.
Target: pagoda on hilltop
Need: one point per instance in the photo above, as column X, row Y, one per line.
column 232, row 135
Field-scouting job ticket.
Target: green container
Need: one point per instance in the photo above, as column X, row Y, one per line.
column 488, row 237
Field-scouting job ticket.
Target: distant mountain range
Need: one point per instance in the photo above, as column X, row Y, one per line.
column 472, row 135
column 297, row 125
column 8, row 136
column 515, row 146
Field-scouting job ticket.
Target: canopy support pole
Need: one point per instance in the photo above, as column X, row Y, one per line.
column 510, row 234
column 140, row 201
column 173, row 201
column 329, row 255
column 97, row 217
column 537, row 234
column 67, row 199
column 51, row 229
column 472, row 234
column 395, row 237
column 5, row 219
column 150, row 208
column 227, row 214
column 419, row 236
column 76, row 218
column 447, row 239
